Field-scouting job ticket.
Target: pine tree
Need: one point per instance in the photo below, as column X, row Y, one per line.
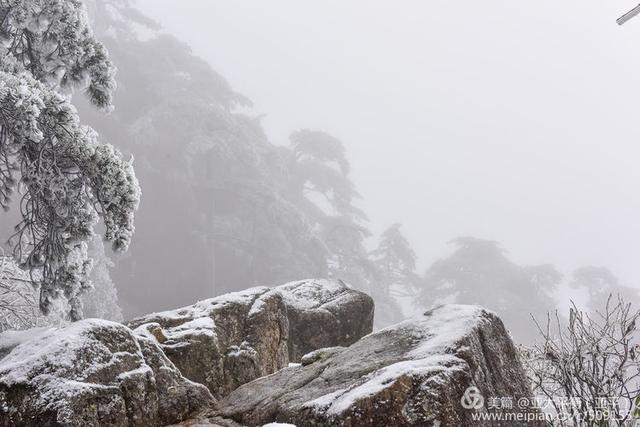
column 395, row 260
column 479, row 272
column 600, row 283
column 320, row 186
column 225, row 178
column 65, row 179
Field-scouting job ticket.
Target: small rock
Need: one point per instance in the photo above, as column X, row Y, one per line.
column 320, row 354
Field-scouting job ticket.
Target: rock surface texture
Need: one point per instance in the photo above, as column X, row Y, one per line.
column 324, row 313
column 226, row 341
column 417, row 373
column 92, row 372
column 232, row 339
column 411, row 374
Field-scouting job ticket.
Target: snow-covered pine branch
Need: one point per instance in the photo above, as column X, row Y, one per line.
column 63, row 177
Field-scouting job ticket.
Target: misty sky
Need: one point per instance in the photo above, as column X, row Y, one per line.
column 515, row 121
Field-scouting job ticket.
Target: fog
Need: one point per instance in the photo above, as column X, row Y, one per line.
column 388, row 212
column 494, row 119
column 424, row 153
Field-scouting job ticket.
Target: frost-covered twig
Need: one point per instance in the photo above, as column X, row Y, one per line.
column 590, row 361
column 18, row 306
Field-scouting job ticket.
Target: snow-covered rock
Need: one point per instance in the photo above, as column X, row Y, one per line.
column 93, row 372
column 232, row 339
column 412, row 373
column 324, row 313
column 226, row 341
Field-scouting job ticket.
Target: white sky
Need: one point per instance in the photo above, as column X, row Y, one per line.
column 510, row 120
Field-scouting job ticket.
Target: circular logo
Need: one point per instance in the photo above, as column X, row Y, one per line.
column 472, row 398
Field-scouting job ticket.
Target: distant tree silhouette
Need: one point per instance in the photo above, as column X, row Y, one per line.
column 478, row 272
column 395, row 260
column 600, row 283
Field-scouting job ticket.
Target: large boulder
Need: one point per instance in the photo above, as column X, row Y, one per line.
column 226, row 341
column 415, row 373
column 232, row 339
column 92, row 372
column 324, row 313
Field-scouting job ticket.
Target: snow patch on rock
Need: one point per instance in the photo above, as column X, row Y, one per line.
column 308, row 294
column 88, row 373
column 438, row 336
column 44, row 347
column 412, row 373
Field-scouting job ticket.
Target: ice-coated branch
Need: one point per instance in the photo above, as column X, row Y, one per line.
column 62, row 177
